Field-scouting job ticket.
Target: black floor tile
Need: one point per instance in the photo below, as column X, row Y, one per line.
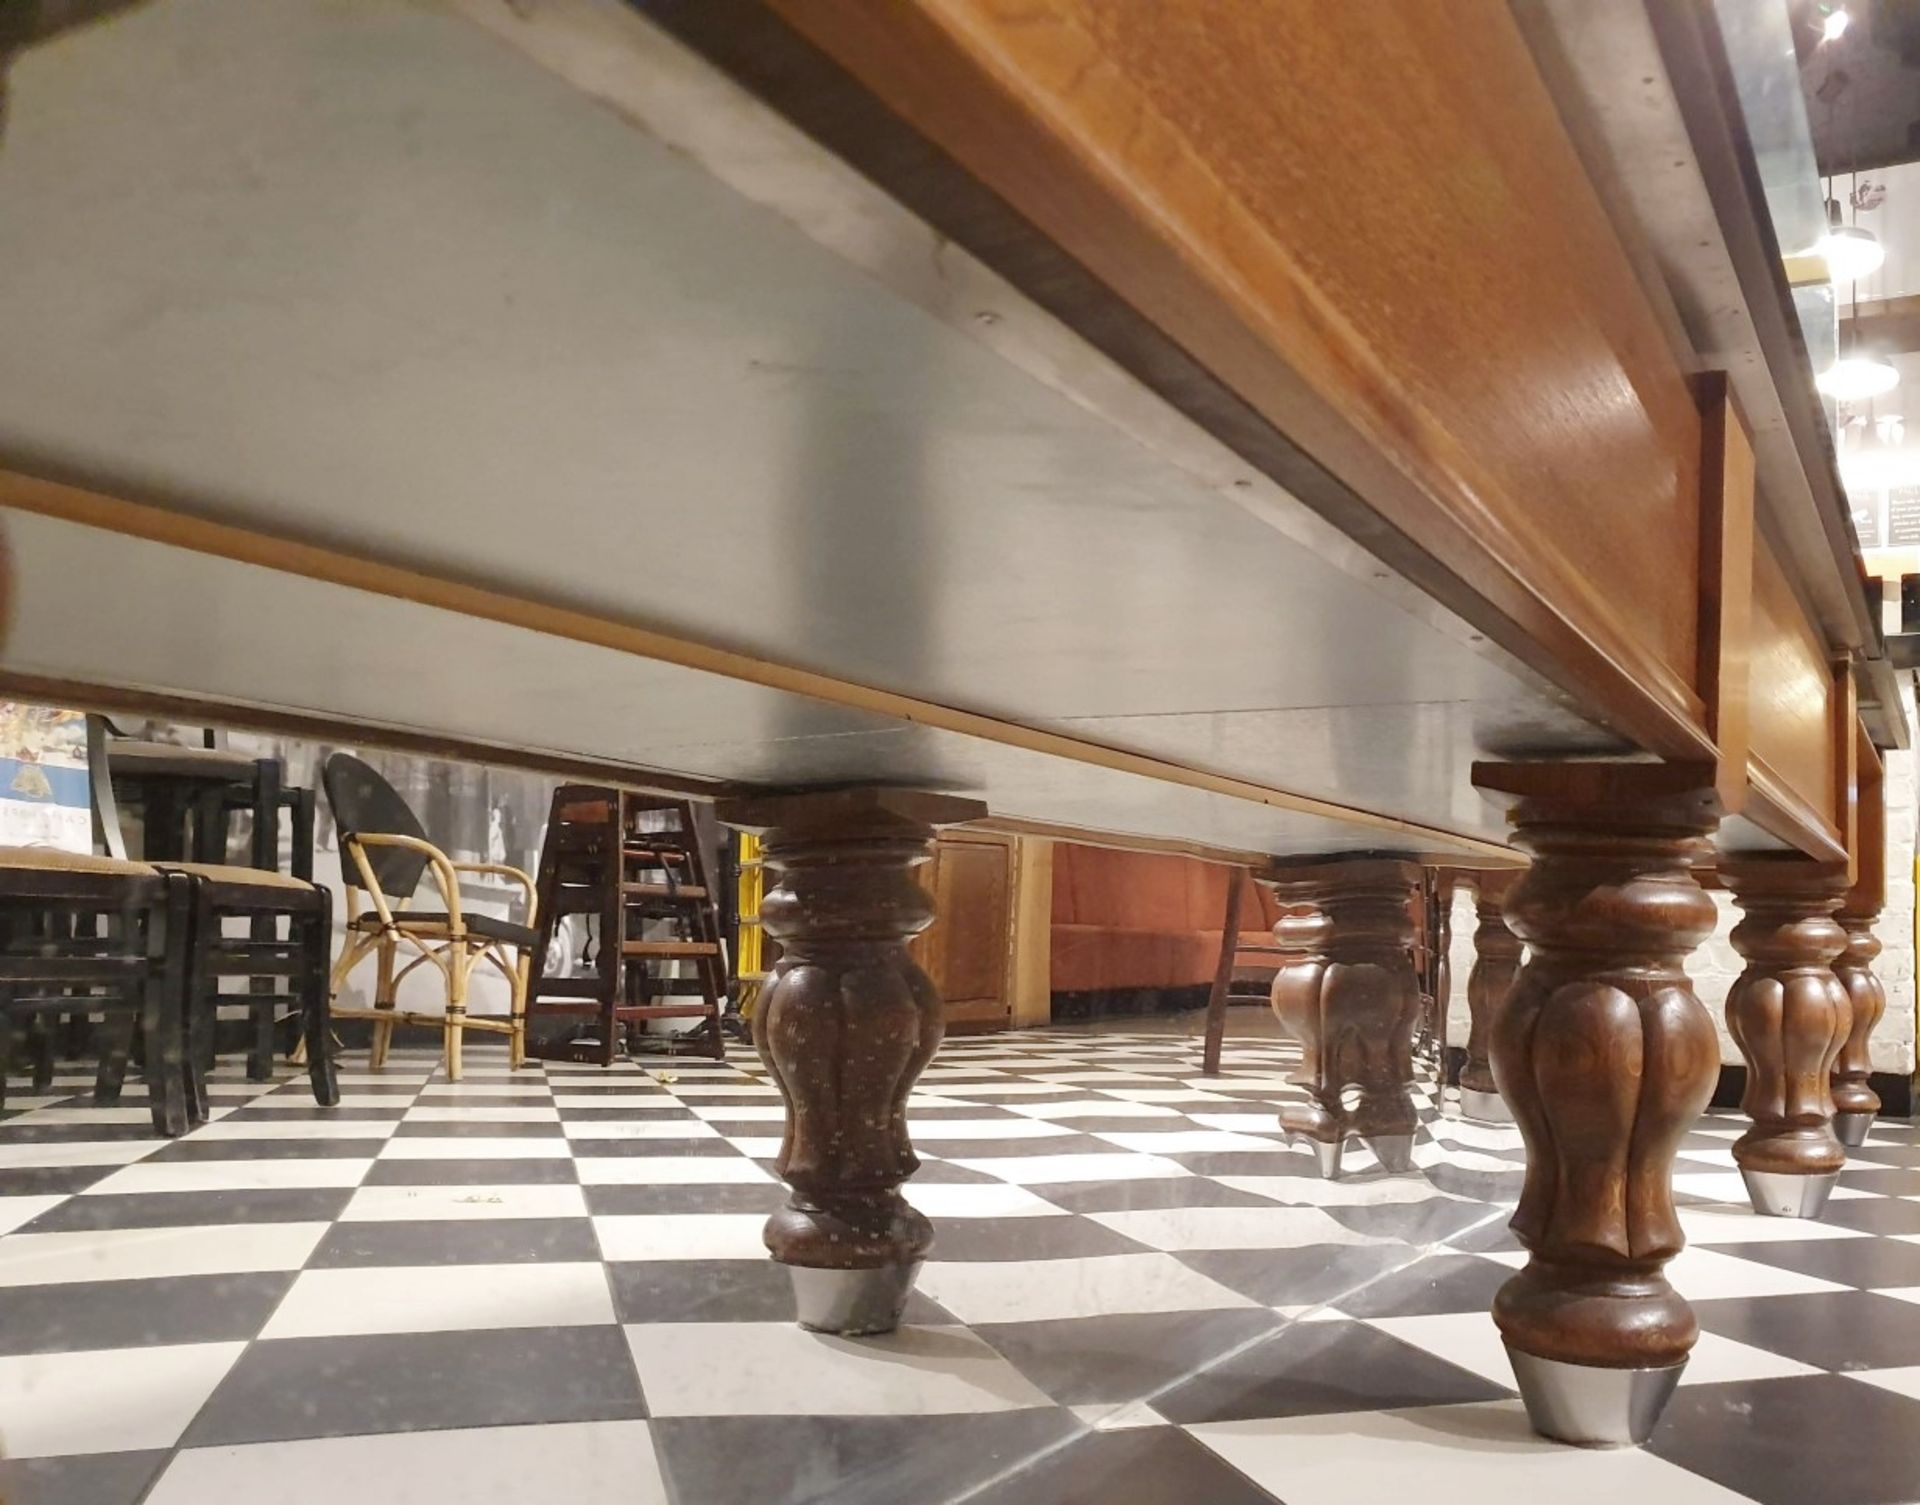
column 1817, row 1438
column 1312, row 1368
column 846, row 1460
column 479, row 1129
column 1064, row 1237
column 481, row 1241
column 1440, row 1283
column 723, row 1290
column 191, row 1149
column 1428, row 1222
column 1867, row 1263
column 81, row 1479
column 1306, row 1276
column 1137, row 1466
column 998, row 1149
column 539, row 1171
column 335, row 1387
column 180, row 1209
column 706, row 1144
column 1124, row 1356
column 1882, row 1215
column 83, row 1315
column 1832, row 1330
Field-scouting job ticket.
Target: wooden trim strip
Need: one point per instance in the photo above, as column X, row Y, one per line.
column 310, row 561
column 1776, row 809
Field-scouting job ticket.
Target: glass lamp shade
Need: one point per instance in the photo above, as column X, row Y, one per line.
column 1851, row 253
column 1854, row 378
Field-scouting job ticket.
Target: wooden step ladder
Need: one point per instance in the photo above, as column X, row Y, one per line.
column 633, row 861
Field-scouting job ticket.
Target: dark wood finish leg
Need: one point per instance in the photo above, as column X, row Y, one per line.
column 1223, row 976
column 1854, row 1102
column 1348, row 991
column 1606, row 1058
column 1790, row 1016
column 1443, row 887
column 845, row 1025
column 161, row 1018
column 314, row 934
column 1496, row 963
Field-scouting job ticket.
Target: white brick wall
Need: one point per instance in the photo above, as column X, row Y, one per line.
column 1716, row 964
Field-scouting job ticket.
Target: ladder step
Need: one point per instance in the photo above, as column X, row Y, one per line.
column 670, row 948
column 664, row 890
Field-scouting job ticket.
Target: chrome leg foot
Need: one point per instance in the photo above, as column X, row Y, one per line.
column 1484, row 1107
column 1851, row 1128
column 1591, row 1407
column 1393, row 1151
column 1326, row 1152
column 852, row 1302
column 1778, row 1195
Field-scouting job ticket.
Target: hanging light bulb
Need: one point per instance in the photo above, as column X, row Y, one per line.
column 1851, row 253
column 1834, row 27
column 1855, row 378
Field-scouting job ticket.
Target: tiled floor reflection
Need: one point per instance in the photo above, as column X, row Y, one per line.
column 551, row 1285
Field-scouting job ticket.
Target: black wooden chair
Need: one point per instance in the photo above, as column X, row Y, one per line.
column 384, row 853
column 95, row 934
column 289, row 927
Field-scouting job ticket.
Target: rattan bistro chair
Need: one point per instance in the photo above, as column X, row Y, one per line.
column 97, row 934
column 384, row 853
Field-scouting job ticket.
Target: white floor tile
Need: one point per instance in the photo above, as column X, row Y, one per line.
column 612, row 1100
column 319, row 1128
column 779, row 1369
column 1472, row 1342
column 28, row 1259
column 934, row 1130
column 1043, row 1289
column 106, row 1402
column 1095, row 1107
column 1742, row 1225
column 475, row 1147
column 442, row 1298
column 1192, row 1142
column 578, row 1463
column 1699, row 1274
column 445, row 1204
column 1121, row 1417
column 435, row 1114
column 668, row 1170
column 723, row 1089
column 1311, row 1191
column 698, row 1235
column 640, row 1128
column 1444, row 1455
column 940, row 1199
column 1043, row 1170
column 232, row 1175
column 79, row 1114
column 17, row 1212
column 302, row 1102
column 1006, row 1088
column 1901, row 1381
column 744, row 1113
column 1232, row 1227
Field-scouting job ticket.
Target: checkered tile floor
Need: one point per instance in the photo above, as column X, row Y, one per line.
column 551, row 1285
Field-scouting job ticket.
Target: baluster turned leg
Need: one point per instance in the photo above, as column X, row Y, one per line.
column 845, row 1027
column 1347, row 990
column 1854, row 1102
column 1789, row 1015
column 1496, row 963
column 1606, row 1058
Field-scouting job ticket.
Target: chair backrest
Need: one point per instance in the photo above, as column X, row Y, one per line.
column 362, row 801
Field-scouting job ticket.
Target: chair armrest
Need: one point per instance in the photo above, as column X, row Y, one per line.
column 441, row 864
column 506, row 870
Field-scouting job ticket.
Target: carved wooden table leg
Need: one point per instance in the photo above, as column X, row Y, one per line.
column 1789, row 1015
column 1348, row 992
column 846, row 1024
column 1496, row 963
column 1605, row 1057
column 1854, row 1102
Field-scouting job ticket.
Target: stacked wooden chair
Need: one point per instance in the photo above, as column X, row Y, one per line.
column 633, row 862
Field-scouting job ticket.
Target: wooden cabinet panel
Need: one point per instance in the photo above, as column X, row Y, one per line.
column 1800, row 742
column 968, row 950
